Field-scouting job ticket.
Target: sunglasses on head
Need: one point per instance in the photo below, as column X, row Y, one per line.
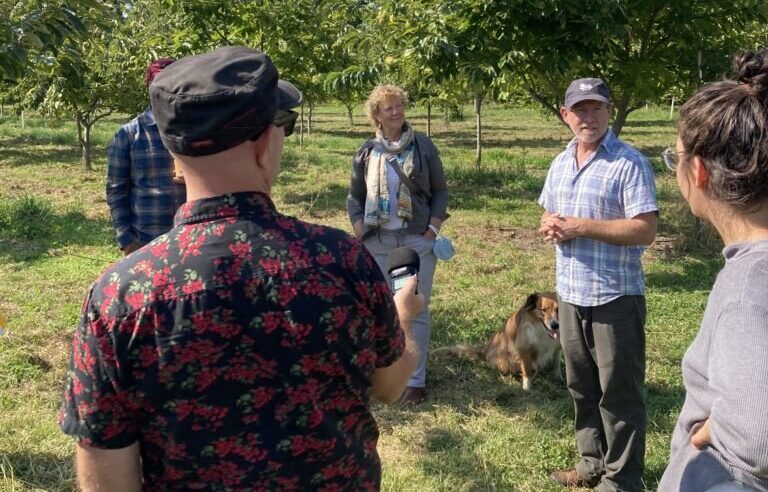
column 286, row 119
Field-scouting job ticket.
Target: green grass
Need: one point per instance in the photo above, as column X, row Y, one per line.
column 478, row 430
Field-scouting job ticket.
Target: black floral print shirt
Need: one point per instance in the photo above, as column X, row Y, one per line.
column 237, row 350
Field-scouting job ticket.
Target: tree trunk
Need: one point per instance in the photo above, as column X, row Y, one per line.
column 478, row 133
column 301, row 126
column 672, row 108
column 309, row 119
column 23, row 120
column 84, row 138
column 622, row 111
column 87, row 149
column 549, row 106
column 349, row 115
column 698, row 65
column 429, row 119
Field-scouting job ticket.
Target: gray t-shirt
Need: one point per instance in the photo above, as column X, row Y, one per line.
column 725, row 372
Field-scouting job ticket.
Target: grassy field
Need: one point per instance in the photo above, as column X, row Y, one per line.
column 478, row 430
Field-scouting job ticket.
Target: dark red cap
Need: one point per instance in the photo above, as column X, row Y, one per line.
column 156, row 67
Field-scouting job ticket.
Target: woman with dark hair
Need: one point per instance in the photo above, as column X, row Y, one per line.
column 398, row 197
column 721, row 164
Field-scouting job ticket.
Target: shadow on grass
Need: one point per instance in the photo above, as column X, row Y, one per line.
column 653, row 153
column 464, row 138
column 25, row 151
column 468, row 189
column 362, row 134
column 42, row 471
column 467, row 141
column 698, row 275
column 464, row 383
column 643, row 123
column 442, row 460
column 468, row 391
column 344, row 156
column 475, row 189
column 466, row 386
column 663, row 403
column 328, row 201
column 69, row 228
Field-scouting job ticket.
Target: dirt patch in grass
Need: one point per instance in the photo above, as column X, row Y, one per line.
column 665, row 247
column 525, row 238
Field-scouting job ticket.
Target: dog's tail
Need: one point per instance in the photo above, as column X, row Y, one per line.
column 472, row 352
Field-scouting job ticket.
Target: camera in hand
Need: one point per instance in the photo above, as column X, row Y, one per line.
column 402, row 264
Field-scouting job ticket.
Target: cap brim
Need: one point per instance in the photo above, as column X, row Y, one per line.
column 288, row 96
column 588, row 97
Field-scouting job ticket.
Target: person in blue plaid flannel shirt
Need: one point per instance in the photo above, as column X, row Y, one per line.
column 600, row 211
column 143, row 192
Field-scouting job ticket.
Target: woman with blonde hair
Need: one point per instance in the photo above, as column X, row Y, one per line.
column 398, row 197
column 721, row 164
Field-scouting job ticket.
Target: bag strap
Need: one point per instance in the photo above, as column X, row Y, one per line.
column 405, row 179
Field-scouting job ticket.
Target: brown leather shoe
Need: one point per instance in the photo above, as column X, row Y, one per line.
column 413, row 396
column 571, row 478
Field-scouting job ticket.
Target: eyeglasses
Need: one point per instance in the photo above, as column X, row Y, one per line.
column 671, row 158
column 286, row 119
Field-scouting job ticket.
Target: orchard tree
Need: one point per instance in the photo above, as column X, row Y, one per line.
column 642, row 48
column 351, row 86
column 439, row 46
column 421, row 57
column 301, row 36
column 94, row 76
column 309, row 45
column 32, row 30
column 9, row 95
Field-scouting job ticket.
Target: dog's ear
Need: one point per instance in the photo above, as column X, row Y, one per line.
column 531, row 302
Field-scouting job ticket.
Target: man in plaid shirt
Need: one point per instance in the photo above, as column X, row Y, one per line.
column 142, row 191
column 600, row 211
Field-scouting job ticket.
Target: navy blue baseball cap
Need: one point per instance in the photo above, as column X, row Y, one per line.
column 205, row 104
column 589, row 89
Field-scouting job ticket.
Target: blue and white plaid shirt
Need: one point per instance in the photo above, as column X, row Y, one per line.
column 141, row 193
column 617, row 182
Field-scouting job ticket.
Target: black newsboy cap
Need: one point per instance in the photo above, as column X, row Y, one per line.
column 208, row 103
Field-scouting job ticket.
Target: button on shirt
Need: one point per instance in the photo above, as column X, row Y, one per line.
column 238, row 350
column 617, row 182
column 141, row 193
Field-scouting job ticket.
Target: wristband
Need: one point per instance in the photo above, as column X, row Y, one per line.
column 434, row 229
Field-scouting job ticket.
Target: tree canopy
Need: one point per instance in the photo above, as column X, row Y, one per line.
column 74, row 54
column 34, row 30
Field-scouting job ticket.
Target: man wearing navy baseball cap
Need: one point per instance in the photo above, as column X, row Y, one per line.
column 240, row 350
column 600, row 210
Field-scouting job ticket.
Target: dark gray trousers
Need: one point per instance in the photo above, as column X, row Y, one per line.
column 604, row 349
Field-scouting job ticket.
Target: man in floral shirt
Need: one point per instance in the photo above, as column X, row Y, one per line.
column 239, row 351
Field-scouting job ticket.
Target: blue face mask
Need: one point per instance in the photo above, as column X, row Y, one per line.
column 443, row 248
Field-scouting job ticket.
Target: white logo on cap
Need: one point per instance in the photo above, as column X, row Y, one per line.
column 585, row 87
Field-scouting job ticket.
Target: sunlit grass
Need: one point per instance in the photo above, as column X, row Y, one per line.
column 478, row 430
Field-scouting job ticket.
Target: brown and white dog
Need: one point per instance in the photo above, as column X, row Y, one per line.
column 528, row 343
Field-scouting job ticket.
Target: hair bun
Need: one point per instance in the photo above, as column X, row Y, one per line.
column 751, row 68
